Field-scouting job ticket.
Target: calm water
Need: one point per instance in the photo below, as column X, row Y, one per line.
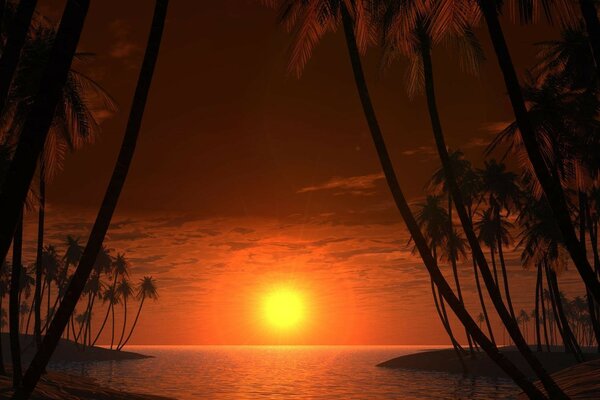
column 232, row 372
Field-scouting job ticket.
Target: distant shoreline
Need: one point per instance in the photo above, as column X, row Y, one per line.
column 447, row 361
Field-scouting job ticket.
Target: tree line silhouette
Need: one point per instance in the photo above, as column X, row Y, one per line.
column 47, row 109
column 554, row 138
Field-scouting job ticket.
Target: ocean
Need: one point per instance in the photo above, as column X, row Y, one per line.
column 283, row 372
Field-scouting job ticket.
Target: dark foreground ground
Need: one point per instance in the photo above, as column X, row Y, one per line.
column 67, row 351
column 59, row 386
column 578, row 380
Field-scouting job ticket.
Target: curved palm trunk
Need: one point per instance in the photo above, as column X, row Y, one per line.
column 103, row 325
column 108, row 310
column 112, row 335
column 549, row 183
column 35, row 130
column 37, row 326
column 593, row 311
column 505, row 278
column 538, row 335
column 455, row 270
column 543, row 304
column 508, row 321
column 17, row 35
column 124, row 322
column 15, row 346
column 506, row 365
column 446, row 324
column 482, row 302
column 109, row 203
column 135, row 321
column 567, row 333
column 2, row 369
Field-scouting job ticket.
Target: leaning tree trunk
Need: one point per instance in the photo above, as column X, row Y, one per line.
column 17, row 35
column 37, row 326
column 492, row 287
column 549, row 183
column 543, row 304
column 583, row 217
column 2, row 369
column 124, row 322
column 592, row 27
column 109, row 203
column 505, row 278
column 568, row 334
column 13, row 307
column 538, row 335
column 506, row 365
column 482, row 302
column 35, row 129
column 135, row 321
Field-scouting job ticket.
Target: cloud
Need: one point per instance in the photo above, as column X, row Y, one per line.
column 355, row 185
column 123, row 47
column 420, row 151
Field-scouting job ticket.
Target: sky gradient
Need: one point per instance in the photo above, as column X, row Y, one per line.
column 246, row 177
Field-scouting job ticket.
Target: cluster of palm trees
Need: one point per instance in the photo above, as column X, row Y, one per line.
column 577, row 314
column 553, row 138
column 507, row 217
column 109, row 285
column 47, row 109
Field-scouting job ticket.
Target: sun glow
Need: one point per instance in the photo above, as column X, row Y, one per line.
column 284, row 308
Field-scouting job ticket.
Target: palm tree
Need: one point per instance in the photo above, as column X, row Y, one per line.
column 427, row 27
column 13, row 307
column 119, row 269
column 524, row 318
column 125, row 291
column 503, row 194
column 549, row 183
column 17, row 35
column 4, row 289
column 313, row 19
column 51, row 266
column 432, row 219
column 83, row 271
column 35, row 130
column 110, row 297
column 146, row 290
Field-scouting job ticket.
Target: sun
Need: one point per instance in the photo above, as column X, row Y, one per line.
column 284, row 308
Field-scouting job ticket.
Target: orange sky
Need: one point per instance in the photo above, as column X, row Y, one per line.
column 246, row 177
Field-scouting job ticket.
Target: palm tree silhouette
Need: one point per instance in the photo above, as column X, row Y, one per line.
column 414, row 31
column 125, row 291
column 549, row 183
column 311, row 21
column 109, row 203
column 146, row 290
column 118, row 269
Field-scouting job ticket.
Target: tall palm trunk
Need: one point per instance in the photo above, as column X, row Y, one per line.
column 592, row 27
column 35, row 129
column 135, row 321
column 109, row 203
column 404, row 209
column 505, row 278
column 538, row 335
column 568, row 335
column 37, row 326
column 583, row 216
column 549, row 183
column 14, row 305
column 446, row 324
column 17, row 34
column 455, row 269
column 124, row 322
column 103, row 325
column 2, row 369
column 543, row 304
column 482, row 302
column 112, row 334
column 509, row 322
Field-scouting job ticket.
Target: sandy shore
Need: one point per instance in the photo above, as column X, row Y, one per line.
column 581, row 381
column 57, row 386
column 447, row 361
